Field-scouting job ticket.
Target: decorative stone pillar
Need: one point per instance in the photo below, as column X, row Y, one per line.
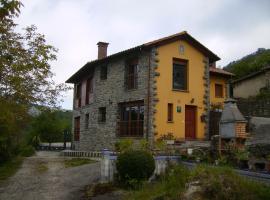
column 206, row 97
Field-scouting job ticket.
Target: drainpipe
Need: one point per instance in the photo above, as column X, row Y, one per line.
column 148, row 96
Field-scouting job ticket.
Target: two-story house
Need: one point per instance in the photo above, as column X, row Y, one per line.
column 157, row 88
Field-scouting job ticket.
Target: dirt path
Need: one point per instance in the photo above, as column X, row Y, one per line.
column 44, row 176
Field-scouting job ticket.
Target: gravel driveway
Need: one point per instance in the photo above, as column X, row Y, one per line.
column 44, row 176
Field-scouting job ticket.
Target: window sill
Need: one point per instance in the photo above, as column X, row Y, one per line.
column 130, row 90
column 102, row 122
column 170, row 122
column 219, row 97
column 178, row 90
column 128, row 136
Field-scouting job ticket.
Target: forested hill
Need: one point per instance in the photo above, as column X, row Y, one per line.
column 250, row 63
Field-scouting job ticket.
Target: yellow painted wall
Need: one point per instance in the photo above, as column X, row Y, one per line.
column 166, row 95
column 217, row 80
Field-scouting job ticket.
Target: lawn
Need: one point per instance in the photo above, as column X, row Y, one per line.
column 74, row 162
column 10, row 167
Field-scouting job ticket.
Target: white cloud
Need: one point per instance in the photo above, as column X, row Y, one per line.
column 230, row 28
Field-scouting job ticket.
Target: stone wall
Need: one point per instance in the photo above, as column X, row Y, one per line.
column 108, row 165
column 109, row 93
column 259, row 128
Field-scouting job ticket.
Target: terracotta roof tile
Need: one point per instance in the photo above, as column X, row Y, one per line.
column 220, row 71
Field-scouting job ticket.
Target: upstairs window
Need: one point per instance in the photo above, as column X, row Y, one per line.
column 131, row 74
column 103, row 72
column 170, row 112
column 102, row 114
column 89, row 89
column 79, row 94
column 218, row 90
column 179, row 74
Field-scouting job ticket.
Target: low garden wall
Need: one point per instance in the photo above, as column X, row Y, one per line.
column 108, row 165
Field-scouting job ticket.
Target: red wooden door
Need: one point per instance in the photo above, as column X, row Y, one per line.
column 190, row 122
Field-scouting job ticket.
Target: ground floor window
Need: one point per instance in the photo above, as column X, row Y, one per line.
column 131, row 119
column 77, row 129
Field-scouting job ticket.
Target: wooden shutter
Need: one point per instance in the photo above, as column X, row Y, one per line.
column 170, row 112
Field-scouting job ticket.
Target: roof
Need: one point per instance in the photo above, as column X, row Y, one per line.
column 249, row 76
column 182, row 35
column 219, row 71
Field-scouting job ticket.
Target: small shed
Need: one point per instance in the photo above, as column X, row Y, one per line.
column 232, row 122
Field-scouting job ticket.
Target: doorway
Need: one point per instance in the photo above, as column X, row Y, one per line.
column 190, row 122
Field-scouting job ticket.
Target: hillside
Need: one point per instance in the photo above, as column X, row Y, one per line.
column 250, row 63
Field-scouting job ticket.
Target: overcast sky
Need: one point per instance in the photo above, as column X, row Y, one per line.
column 230, row 28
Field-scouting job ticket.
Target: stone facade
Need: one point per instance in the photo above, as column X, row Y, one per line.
column 109, row 93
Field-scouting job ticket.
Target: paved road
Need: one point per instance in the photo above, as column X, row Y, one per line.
column 44, row 177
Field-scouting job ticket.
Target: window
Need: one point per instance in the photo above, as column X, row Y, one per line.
column 86, row 121
column 131, row 74
column 170, row 112
column 218, row 90
column 89, row 89
column 179, row 74
column 77, row 129
column 78, row 94
column 103, row 72
column 102, row 114
column 131, row 119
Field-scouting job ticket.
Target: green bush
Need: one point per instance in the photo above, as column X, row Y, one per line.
column 124, row 145
column 133, row 167
column 27, row 151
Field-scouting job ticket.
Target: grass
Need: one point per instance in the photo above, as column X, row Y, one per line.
column 74, row 162
column 214, row 183
column 10, row 167
column 41, row 168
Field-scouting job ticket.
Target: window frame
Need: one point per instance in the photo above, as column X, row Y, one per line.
column 102, row 112
column 170, row 112
column 86, row 121
column 88, row 89
column 79, row 94
column 216, row 89
column 77, row 127
column 180, row 62
column 130, row 127
column 103, row 72
column 131, row 76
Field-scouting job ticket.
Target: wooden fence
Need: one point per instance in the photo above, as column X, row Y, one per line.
column 253, row 107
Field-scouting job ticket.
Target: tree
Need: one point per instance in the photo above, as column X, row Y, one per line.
column 26, row 78
column 49, row 127
column 250, row 63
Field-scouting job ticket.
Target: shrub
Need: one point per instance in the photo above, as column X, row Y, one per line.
column 124, row 145
column 27, row 151
column 133, row 167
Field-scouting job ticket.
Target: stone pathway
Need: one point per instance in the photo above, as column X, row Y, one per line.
column 44, row 177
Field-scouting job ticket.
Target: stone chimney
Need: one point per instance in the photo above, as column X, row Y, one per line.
column 102, row 49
